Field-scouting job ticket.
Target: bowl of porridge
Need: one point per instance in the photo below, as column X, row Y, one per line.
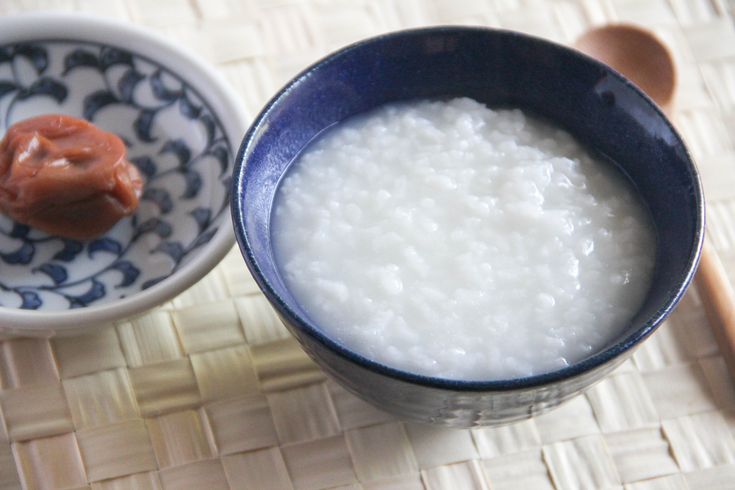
column 466, row 226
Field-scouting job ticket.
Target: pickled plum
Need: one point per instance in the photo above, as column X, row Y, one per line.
column 64, row 176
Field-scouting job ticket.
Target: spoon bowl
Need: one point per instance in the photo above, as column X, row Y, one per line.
column 636, row 53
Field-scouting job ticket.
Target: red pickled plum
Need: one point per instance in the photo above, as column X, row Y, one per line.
column 64, row 176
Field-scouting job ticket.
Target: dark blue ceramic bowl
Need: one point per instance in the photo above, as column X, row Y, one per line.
column 593, row 102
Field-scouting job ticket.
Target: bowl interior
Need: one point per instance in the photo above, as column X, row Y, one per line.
column 498, row 68
column 173, row 136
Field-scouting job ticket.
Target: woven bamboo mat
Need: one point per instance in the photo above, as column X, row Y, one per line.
column 209, row 391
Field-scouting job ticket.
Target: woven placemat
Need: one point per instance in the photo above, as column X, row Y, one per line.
column 210, row 391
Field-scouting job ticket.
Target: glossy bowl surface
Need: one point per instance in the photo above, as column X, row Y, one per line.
column 180, row 124
column 500, row 68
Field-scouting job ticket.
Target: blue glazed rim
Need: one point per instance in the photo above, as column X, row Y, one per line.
column 591, row 363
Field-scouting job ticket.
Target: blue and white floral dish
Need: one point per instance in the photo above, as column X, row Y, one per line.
column 179, row 122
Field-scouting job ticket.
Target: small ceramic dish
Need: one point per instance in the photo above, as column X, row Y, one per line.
column 179, row 122
column 499, row 68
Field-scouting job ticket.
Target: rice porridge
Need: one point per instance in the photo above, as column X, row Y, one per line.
column 451, row 240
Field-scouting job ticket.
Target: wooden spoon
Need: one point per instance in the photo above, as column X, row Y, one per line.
column 644, row 59
column 636, row 53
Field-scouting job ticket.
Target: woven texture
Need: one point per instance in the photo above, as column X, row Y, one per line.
column 209, row 391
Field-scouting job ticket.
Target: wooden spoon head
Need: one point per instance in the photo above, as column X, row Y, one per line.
column 636, row 53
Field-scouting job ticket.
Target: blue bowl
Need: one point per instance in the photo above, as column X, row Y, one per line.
column 499, row 68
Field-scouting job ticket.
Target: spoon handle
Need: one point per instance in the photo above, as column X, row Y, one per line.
column 718, row 299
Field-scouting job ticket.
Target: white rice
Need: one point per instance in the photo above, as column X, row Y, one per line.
column 451, row 240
